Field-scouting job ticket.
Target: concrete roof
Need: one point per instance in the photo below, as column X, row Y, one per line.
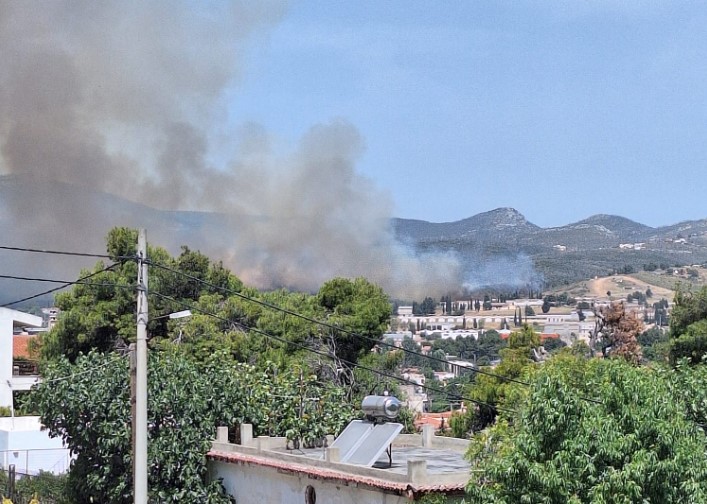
column 444, row 468
column 21, row 319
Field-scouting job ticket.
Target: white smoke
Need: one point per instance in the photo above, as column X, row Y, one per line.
column 127, row 97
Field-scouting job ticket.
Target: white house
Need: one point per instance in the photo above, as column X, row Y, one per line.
column 262, row 470
column 10, row 320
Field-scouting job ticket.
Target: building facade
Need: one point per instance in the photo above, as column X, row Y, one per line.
column 12, row 321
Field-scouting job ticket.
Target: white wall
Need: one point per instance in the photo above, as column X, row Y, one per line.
column 24, row 444
column 254, row 484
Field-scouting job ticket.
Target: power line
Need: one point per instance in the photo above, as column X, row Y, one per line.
column 346, row 331
column 324, row 354
column 61, row 252
column 335, row 327
column 108, row 268
column 67, row 282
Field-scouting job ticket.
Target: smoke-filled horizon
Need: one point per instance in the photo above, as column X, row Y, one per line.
column 127, row 98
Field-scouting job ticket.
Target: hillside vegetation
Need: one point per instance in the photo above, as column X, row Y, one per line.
column 589, row 423
column 597, row 246
column 662, row 284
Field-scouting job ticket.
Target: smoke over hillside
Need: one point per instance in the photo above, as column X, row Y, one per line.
column 127, row 98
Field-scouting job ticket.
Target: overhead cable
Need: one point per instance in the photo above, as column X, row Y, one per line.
column 335, row 327
column 61, row 252
column 67, row 284
column 324, row 354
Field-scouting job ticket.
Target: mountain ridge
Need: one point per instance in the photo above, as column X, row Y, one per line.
column 596, row 245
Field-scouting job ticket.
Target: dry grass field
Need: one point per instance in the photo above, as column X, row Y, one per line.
column 662, row 284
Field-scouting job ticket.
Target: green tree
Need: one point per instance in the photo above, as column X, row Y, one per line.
column 100, row 314
column 87, row 405
column 494, row 390
column 411, row 355
column 428, row 306
column 688, row 325
column 359, row 307
column 633, row 444
column 655, row 343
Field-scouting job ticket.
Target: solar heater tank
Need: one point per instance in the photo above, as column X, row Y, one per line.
column 381, row 407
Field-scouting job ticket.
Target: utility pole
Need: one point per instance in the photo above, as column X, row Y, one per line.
column 140, row 452
column 133, row 400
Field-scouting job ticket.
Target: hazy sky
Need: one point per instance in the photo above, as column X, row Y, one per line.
column 310, row 124
column 559, row 109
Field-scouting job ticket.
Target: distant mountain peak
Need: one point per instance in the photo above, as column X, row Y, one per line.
column 503, row 217
column 509, row 213
column 614, row 224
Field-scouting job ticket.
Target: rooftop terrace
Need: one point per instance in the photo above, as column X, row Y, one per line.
column 421, row 463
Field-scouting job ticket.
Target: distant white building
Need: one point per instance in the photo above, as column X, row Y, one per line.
column 451, row 333
column 405, row 311
column 397, row 337
column 413, row 397
column 459, row 367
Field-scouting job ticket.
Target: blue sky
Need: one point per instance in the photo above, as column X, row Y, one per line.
column 559, row 109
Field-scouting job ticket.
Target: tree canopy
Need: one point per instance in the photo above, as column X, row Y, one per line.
column 632, row 443
column 688, row 325
column 242, row 356
column 100, row 313
column 87, row 405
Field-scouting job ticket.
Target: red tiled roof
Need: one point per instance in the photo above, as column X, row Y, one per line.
column 436, row 420
column 333, row 475
column 20, row 346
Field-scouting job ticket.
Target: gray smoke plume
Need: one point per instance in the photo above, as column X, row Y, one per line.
column 126, row 98
column 506, row 271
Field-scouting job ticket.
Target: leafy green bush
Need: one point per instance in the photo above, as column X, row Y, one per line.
column 87, row 405
column 596, row 430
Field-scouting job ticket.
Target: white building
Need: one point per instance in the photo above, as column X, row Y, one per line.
column 405, row 311
column 459, row 367
column 262, row 470
column 451, row 333
column 25, row 445
column 10, row 320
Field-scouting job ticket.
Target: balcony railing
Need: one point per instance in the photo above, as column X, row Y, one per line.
column 22, row 367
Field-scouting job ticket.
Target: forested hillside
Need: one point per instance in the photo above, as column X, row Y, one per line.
column 552, row 257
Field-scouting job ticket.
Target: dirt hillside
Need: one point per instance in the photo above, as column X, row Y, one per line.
column 622, row 285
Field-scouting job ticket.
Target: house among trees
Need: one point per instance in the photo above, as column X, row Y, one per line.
column 23, row 441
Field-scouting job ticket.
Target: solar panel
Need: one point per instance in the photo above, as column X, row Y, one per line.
column 362, row 443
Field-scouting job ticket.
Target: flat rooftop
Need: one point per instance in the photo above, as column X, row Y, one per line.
column 439, row 460
column 420, row 462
